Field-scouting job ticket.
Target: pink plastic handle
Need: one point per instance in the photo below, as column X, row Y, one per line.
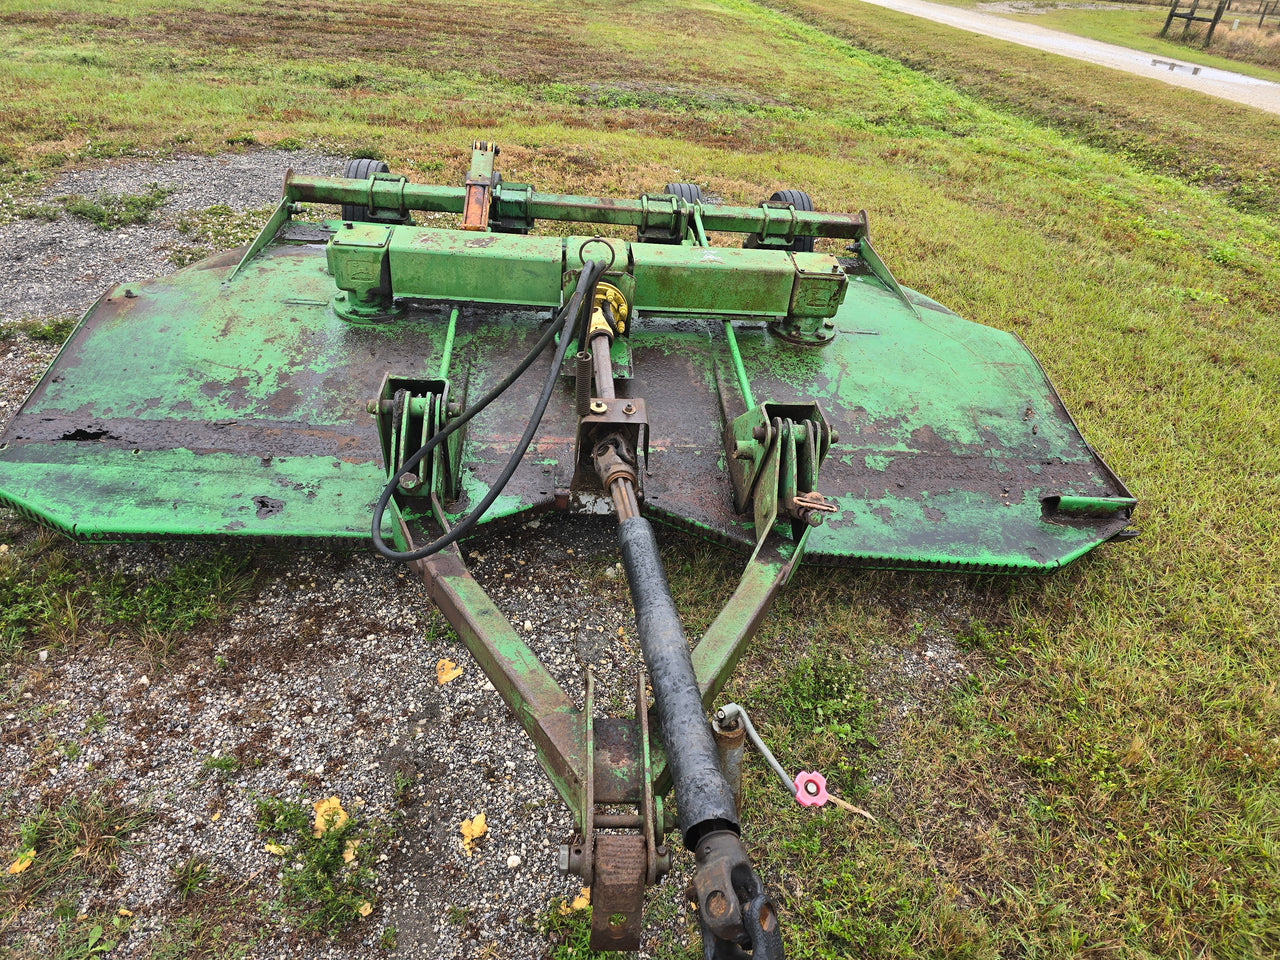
column 811, row 789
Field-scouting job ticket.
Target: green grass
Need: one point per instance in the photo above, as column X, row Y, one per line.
column 205, row 935
column 111, row 211
column 215, row 228
column 568, row 935
column 188, row 875
column 323, row 890
column 1139, row 28
column 223, row 764
column 50, row 330
column 1103, row 781
column 214, row 919
column 55, row 594
column 388, row 940
column 70, row 843
column 1211, row 143
column 84, row 940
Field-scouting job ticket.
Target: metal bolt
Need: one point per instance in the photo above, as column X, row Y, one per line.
column 811, row 788
column 562, row 861
column 835, row 437
column 829, row 324
column 662, row 862
column 629, row 409
column 760, row 432
column 599, row 406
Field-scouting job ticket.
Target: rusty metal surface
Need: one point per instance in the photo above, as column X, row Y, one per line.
column 950, row 435
column 615, row 764
column 617, row 893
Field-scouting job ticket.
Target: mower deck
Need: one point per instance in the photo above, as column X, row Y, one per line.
column 195, row 405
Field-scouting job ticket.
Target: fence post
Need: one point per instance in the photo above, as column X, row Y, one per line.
column 1222, row 5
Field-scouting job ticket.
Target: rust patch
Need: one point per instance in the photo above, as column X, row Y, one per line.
column 268, row 506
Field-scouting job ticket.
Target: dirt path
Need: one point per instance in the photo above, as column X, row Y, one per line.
column 1263, row 94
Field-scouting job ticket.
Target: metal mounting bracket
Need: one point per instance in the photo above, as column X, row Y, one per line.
column 774, row 453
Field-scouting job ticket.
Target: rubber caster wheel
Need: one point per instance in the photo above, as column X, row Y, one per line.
column 361, row 168
column 688, row 192
column 801, row 201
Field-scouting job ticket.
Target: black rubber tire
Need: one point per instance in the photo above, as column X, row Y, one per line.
column 688, row 192
column 361, row 168
column 801, row 201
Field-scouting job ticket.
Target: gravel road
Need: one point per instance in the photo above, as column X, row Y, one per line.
column 1224, row 84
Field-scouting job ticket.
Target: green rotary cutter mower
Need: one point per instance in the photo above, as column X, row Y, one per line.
column 369, row 378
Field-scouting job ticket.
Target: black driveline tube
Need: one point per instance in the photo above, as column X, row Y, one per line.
column 704, row 801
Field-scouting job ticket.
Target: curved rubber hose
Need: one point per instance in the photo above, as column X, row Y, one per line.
column 587, row 278
column 704, row 801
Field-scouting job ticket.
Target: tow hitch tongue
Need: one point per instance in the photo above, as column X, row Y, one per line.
column 611, row 762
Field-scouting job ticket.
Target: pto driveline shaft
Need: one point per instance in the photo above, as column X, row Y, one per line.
column 704, row 800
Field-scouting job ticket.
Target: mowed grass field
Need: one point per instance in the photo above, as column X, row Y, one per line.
column 1105, row 780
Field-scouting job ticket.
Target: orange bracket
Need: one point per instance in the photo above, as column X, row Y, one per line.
column 480, row 181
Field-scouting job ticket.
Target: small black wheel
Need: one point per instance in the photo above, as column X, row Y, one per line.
column 361, row 168
column 801, row 201
column 688, row 192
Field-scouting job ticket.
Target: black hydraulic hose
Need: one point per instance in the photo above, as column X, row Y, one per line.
column 568, row 316
column 704, row 800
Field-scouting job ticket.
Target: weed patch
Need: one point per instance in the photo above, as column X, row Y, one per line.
column 51, row 330
column 67, row 843
column 188, row 875
column 111, row 211
column 223, row 764
column 52, row 593
column 568, row 933
column 215, row 228
column 329, row 881
column 216, row 920
column 77, row 939
column 45, row 212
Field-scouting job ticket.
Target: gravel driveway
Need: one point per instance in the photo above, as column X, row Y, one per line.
column 327, row 675
column 324, row 681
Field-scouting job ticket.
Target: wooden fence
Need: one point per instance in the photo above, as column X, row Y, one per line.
column 1264, row 9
